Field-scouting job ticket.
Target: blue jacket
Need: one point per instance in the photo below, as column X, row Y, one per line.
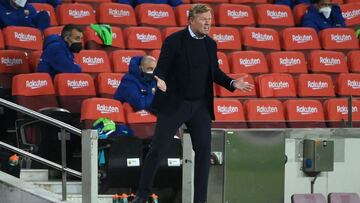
column 57, row 57
column 25, row 16
column 292, row 3
column 54, row 3
column 133, row 89
column 318, row 21
column 137, row 2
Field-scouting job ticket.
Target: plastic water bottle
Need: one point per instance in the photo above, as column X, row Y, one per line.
column 154, row 198
column 14, row 160
column 123, row 198
column 115, row 198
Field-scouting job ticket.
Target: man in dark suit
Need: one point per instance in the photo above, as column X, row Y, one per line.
column 185, row 73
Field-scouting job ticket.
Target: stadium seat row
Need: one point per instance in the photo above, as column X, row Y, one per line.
column 227, row 38
column 225, row 14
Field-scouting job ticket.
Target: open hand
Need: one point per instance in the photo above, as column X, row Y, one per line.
column 240, row 84
column 160, row 84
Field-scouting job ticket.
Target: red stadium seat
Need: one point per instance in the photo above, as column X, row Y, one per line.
column 275, row 16
column 348, row 84
column 94, row 108
column 121, row 59
column 169, row 30
column 287, row 62
column 93, row 3
column 222, row 92
column 141, row 122
column 299, row 39
column 155, row 15
column 300, row 113
column 327, row 62
column 209, row 1
column 34, row 59
column 2, row 45
column 93, row 41
column 276, row 85
column 78, row 14
column 226, row 38
column 299, row 12
column 116, row 14
column 338, row 39
column 229, row 113
column 182, row 13
column 234, row 15
column 93, row 61
column 155, row 53
column 264, row 39
column 49, row 9
column 351, row 1
column 12, row 62
column 223, row 62
column 351, row 14
column 315, row 85
column 34, row 91
column 28, row 38
column 336, row 112
column 107, row 84
column 353, row 60
column 72, row 89
column 56, row 30
column 143, row 38
column 249, row 1
column 248, row 62
column 264, row 113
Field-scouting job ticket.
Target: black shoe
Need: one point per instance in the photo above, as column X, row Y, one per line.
column 138, row 200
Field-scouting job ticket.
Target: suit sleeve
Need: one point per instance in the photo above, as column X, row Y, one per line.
column 61, row 63
column 166, row 58
column 220, row 77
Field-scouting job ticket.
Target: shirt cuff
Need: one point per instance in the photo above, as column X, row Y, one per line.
column 231, row 83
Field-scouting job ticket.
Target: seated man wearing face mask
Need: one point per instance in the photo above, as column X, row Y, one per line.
column 137, row 87
column 57, row 55
column 322, row 14
column 20, row 13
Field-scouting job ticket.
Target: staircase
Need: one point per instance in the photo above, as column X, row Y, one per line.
column 40, row 178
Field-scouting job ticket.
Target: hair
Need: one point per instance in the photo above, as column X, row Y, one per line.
column 198, row 9
column 315, row 1
column 66, row 31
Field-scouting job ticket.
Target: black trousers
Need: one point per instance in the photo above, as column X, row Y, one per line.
column 196, row 116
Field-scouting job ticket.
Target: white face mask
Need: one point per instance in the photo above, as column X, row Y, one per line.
column 326, row 11
column 149, row 72
column 20, row 3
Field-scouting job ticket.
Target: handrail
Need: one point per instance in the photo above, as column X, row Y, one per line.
column 39, row 159
column 40, row 116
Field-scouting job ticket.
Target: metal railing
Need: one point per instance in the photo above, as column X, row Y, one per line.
column 64, row 128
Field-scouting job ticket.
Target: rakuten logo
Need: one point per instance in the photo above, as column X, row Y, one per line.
column 7, row 61
column 225, row 110
column 25, row 37
column 146, row 37
column 306, row 110
column 344, row 109
column 35, row 84
column 113, row 83
column 107, row 109
column 341, row 38
column 262, row 37
column 289, row 61
column 125, row 59
column 277, row 14
column 223, row 38
column 250, row 62
column 278, row 85
column 329, row 61
column 143, row 113
column 118, row 13
column 77, row 84
column 353, row 84
column 264, row 110
column 300, row 39
column 317, row 85
column 237, row 14
column 92, row 61
column 79, row 14
column 158, row 14
column 351, row 14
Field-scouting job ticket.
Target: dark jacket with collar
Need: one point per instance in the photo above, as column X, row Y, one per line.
column 318, row 21
column 174, row 68
column 134, row 89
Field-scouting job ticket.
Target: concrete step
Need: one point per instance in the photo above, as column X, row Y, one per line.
column 73, row 187
column 34, row 174
column 101, row 198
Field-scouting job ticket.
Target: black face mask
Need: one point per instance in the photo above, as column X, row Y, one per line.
column 76, row 47
column 148, row 77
